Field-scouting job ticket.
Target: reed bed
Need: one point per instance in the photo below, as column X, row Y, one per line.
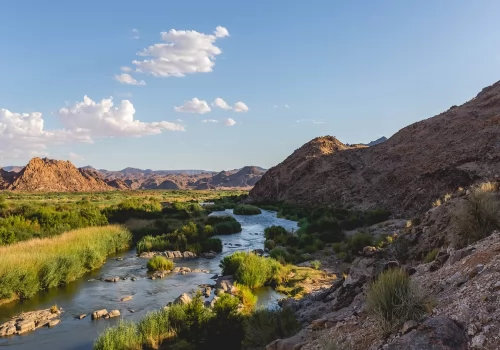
column 29, row 266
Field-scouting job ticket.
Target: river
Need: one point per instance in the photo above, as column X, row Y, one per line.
column 89, row 294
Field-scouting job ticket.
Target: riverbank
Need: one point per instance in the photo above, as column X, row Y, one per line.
column 38, row 264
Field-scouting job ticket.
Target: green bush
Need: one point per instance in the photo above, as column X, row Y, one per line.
column 123, row 336
column 212, row 244
column 269, row 244
column 263, row 326
column 316, row 264
column 431, row 255
column 226, row 324
column 360, row 240
column 245, row 209
column 154, row 328
column 160, row 263
column 393, row 299
column 274, row 231
column 477, row 218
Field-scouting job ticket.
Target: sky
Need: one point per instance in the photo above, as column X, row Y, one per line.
column 224, row 84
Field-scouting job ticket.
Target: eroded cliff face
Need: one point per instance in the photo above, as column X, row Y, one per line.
column 47, row 175
column 404, row 174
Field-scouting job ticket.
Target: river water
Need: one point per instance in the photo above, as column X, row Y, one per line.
column 89, row 294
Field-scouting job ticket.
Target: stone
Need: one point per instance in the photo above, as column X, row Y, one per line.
column 219, row 291
column 207, row 291
column 133, row 279
column 111, row 279
column 99, row 313
column 113, row 313
column 25, row 326
column 81, row 317
column 438, row 333
column 183, row 299
column 226, row 283
column 8, row 330
column 408, row 326
column 54, row 323
column 478, row 341
column 119, row 259
column 126, row 298
column 214, row 300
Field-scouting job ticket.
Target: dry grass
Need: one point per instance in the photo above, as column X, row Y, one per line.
column 488, row 187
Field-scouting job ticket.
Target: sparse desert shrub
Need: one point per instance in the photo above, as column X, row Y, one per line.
column 160, row 263
column 245, row 209
column 394, row 299
column 123, row 336
column 316, row 264
column 478, row 216
column 437, row 202
column 360, row 240
column 263, row 326
column 488, row 187
column 431, row 255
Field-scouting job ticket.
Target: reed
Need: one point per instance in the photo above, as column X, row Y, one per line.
column 29, row 266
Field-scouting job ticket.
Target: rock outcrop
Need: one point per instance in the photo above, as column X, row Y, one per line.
column 49, row 175
column 404, row 174
column 29, row 321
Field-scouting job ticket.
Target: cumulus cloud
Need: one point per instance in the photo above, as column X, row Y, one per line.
column 181, row 52
column 240, row 107
column 126, row 78
column 230, row 122
column 24, row 135
column 194, row 106
column 219, row 102
column 103, row 119
column 135, row 33
column 237, row 107
column 209, row 121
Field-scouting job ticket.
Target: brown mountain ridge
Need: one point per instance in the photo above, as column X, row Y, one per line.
column 404, row 174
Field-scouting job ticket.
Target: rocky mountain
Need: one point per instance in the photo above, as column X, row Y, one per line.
column 52, row 176
column 13, row 168
column 404, row 174
column 377, row 141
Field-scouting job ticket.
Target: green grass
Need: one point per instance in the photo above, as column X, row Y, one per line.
column 122, row 337
column 160, row 263
column 431, row 255
column 245, row 209
column 27, row 267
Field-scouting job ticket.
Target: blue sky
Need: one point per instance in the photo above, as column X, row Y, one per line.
column 355, row 70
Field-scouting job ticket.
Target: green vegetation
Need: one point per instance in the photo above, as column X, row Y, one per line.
column 431, row 255
column 245, row 209
column 224, row 224
column 27, row 267
column 123, row 336
column 316, row 264
column 393, row 299
column 478, row 216
column 160, row 263
column 250, row 269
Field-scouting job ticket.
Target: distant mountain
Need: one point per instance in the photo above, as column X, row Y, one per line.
column 13, row 168
column 377, row 141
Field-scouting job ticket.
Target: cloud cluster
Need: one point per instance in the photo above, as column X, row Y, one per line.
column 237, row 107
column 194, row 106
column 230, row 122
column 126, row 78
column 23, row 135
column 181, row 52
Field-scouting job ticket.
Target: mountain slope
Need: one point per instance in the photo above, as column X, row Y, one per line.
column 405, row 173
column 56, row 176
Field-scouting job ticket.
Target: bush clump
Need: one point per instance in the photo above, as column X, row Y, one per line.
column 245, row 209
column 478, row 217
column 394, row 299
column 224, row 224
column 160, row 263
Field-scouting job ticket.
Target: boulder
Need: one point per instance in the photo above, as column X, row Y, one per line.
column 189, row 255
column 25, row 326
column 169, row 254
column 112, row 279
column 207, row 291
column 7, row 330
column 99, row 313
column 177, row 254
column 438, row 333
column 113, row 313
column 54, row 323
column 292, row 343
column 183, row 299
column 81, row 317
column 126, row 298
column 225, row 283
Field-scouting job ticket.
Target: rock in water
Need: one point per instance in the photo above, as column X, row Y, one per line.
column 99, row 313
column 113, row 313
column 127, row 298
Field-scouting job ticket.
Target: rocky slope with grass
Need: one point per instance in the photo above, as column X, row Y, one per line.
column 50, row 175
column 403, row 174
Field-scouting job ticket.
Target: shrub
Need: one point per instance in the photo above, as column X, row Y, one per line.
column 274, row 231
column 154, row 328
column 316, row 264
column 263, row 326
column 245, row 209
column 477, row 217
column 224, row 225
column 393, row 299
column 160, row 263
column 212, row 244
column 226, row 323
column 123, row 336
column 360, row 240
column 431, row 255
column 269, row 244
column 247, row 298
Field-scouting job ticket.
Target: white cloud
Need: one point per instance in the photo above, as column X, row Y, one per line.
column 240, row 107
column 23, row 135
column 75, row 156
column 209, row 121
column 312, row 121
column 219, row 102
column 135, row 34
column 237, row 107
column 287, row 106
column 103, row 119
column 126, row 69
column 230, row 122
column 182, row 52
column 126, row 78
column 194, row 106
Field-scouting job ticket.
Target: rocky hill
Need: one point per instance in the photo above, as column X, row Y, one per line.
column 406, row 173
column 53, row 176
